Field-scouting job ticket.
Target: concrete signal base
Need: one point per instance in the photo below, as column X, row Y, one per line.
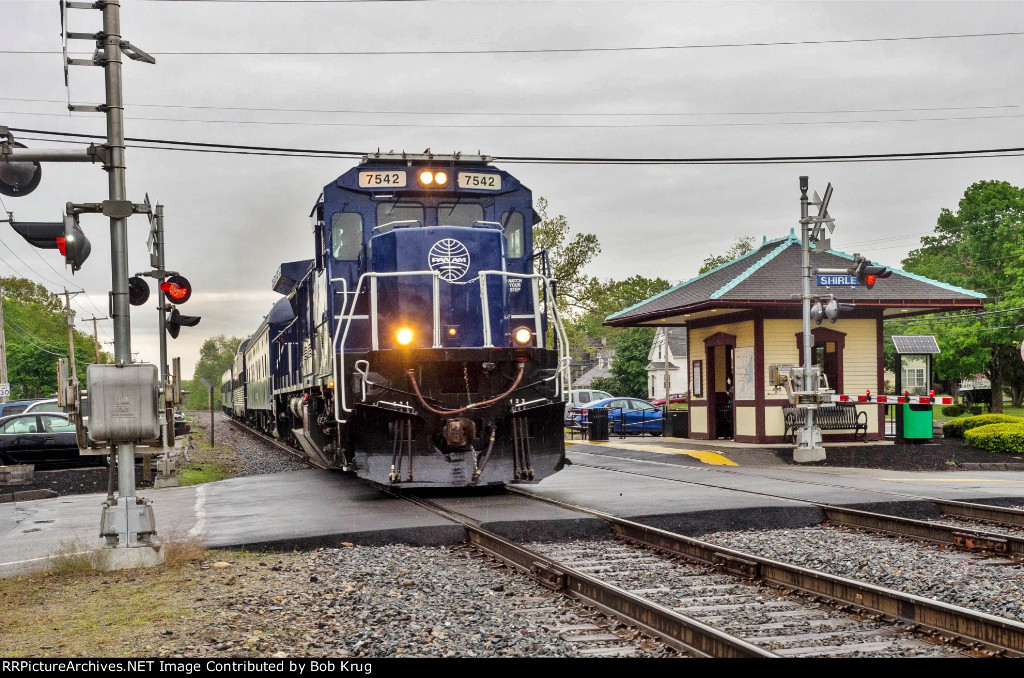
column 804, row 455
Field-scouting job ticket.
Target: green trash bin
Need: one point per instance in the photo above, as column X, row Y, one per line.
column 917, row 422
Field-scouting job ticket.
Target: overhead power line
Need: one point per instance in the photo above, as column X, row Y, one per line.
column 199, row 146
column 553, row 50
column 542, row 114
column 458, row 125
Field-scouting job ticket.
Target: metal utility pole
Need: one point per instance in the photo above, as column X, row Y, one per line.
column 5, row 387
column 71, row 329
column 163, row 306
column 809, row 445
column 96, row 335
column 668, row 404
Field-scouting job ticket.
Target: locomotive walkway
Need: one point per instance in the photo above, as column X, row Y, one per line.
column 667, row 490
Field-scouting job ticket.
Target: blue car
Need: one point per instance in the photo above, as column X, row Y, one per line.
column 629, row 415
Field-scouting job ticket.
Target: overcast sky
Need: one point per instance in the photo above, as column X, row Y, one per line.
column 231, row 219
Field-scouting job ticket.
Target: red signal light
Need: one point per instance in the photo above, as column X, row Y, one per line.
column 870, row 280
column 176, row 289
column 173, row 291
column 62, row 246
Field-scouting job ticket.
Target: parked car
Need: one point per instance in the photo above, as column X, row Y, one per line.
column 631, row 415
column 674, row 399
column 580, row 397
column 41, row 438
column 47, row 405
column 14, row 407
column 181, row 426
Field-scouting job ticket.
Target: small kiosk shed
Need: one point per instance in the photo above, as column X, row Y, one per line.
column 744, row 316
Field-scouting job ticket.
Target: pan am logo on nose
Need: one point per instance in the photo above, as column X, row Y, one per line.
column 449, row 258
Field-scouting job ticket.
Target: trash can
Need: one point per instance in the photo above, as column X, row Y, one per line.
column 678, row 424
column 917, row 422
column 598, row 417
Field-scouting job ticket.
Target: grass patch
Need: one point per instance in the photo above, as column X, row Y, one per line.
column 207, row 472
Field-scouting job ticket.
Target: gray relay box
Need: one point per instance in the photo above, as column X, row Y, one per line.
column 123, row 403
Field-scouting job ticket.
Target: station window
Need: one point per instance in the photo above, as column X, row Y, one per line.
column 460, row 214
column 512, row 222
column 346, row 235
column 388, row 212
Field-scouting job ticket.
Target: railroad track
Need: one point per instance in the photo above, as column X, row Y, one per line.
column 721, row 585
column 727, row 603
column 963, row 535
column 270, row 440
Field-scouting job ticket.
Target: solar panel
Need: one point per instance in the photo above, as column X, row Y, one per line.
column 916, row 344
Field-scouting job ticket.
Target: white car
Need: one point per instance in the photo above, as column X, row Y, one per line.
column 580, row 397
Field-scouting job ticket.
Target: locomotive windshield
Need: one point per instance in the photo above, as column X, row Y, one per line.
column 512, row 223
column 398, row 211
column 459, row 214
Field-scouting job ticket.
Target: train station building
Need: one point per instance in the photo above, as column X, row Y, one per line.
column 745, row 316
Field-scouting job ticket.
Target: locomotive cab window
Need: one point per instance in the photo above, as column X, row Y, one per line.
column 346, row 235
column 513, row 227
column 397, row 211
column 461, row 214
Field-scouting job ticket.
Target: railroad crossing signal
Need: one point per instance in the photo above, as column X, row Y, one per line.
column 19, row 178
column 867, row 273
column 830, row 309
column 175, row 321
column 176, row 289
column 66, row 236
column 138, row 291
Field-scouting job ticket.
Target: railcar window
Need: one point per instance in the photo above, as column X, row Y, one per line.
column 397, row 211
column 460, row 214
column 513, row 225
column 346, row 235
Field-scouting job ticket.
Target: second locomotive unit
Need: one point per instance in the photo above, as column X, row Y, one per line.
column 420, row 346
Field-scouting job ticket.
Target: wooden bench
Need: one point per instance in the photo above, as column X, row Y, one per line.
column 839, row 417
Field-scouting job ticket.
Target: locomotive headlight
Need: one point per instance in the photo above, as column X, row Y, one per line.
column 404, row 336
column 440, row 178
column 523, row 336
column 426, row 177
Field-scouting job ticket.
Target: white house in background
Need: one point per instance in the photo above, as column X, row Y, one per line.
column 670, row 356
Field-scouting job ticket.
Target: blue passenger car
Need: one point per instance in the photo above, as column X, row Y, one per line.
column 422, row 347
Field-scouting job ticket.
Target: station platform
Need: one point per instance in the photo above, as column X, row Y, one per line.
column 685, row 488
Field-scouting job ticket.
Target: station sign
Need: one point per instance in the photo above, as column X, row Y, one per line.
column 838, row 281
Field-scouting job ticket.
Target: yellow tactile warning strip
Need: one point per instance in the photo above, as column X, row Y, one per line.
column 950, row 480
column 703, row 456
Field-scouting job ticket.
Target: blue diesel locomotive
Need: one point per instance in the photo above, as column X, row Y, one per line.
column 421, row 346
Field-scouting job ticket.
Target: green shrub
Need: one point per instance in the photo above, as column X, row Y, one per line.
column 954, row 428
column 954, row 410
column 1005, row 438
column 976, row 409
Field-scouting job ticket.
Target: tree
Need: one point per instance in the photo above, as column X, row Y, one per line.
column 568, row 256
column 980, row 247
column 36, row 332
column 215, row 356
column 743, row 245
column 610, row 297
column 629, row 370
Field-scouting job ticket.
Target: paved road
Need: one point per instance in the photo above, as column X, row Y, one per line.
column 634, row 480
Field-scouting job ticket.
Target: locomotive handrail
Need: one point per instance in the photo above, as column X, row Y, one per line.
column 563, row 340
column 339, row 356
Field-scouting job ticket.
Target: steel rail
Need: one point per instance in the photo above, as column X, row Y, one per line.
column 976, row 629
column 991, row 514
column 673, row 628
column 960, row 537
column 969, row 539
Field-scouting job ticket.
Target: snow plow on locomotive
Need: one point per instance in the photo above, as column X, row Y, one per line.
column 419, row 347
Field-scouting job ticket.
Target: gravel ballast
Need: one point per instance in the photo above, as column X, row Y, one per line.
column 241, row 453
column 391, row 601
